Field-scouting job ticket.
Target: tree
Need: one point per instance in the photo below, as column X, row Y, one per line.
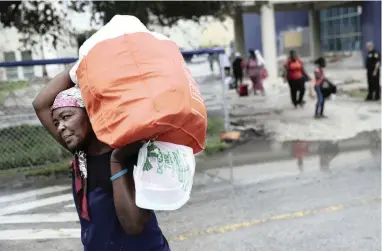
column 46, row 18
column 82, row 37
column 163, row 13
column 33, row 18
column 37, row 21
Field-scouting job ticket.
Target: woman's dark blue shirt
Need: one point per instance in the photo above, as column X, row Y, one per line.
column 104, row 231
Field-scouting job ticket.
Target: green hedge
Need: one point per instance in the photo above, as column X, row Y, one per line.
column 213, row 143
column 26, row 145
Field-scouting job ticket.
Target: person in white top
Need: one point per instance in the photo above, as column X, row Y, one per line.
column 225, row 63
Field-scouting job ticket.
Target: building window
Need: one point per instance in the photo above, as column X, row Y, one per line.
column 340, row 29
column 28, row 70
column 11, row 72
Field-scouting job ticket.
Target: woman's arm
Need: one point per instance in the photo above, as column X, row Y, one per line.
column 43, row 102
column 131, row 217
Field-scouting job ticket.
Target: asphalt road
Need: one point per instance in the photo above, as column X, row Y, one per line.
column 268, row 207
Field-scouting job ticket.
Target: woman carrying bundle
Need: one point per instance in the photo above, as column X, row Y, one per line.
column 103, row 185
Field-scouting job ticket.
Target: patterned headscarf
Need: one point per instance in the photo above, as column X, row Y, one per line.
column 69, row 98
column 72, row 98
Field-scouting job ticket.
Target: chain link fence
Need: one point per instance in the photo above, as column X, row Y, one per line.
column 25, row 144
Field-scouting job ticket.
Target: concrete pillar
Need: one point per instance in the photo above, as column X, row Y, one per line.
column 315, row 35
column 268, row 39
column 239, row 31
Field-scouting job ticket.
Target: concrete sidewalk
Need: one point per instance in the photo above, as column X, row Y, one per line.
column 347, row 116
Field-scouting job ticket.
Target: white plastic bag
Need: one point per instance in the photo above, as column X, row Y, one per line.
column 163, row 176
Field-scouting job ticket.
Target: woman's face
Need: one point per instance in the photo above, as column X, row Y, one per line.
column 73, row 126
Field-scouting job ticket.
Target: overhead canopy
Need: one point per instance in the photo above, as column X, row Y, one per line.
column 203, row 51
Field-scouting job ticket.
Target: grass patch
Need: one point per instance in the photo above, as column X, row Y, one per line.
column 8, row 87
column 357, row 93
column 213, row 143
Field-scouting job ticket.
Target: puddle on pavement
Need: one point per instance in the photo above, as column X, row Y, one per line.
column 363, row 116
column 258, row 161
column 374, row 111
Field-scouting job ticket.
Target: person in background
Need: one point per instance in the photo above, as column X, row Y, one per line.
column 373, row 64
column 226, row 64
column 296, row 77
column 237, row 68
column 211, row 61
column 254, row 70
column 228, row 80
column 102, row 177
column 320, row 78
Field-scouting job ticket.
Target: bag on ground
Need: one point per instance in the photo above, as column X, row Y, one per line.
column 163, row 176
column 136, row 86
column 243, row 90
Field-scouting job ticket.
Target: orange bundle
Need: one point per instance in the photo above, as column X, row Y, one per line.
column 136, row 86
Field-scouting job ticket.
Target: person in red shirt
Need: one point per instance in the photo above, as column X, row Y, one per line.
column 320, row 78
column 295, row 76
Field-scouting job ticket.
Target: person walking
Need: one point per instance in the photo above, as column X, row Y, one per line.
column 254, row 70
column 320, row 78
column 237, row 68
column 373, row 64
column 296, row 77
column 102, row 177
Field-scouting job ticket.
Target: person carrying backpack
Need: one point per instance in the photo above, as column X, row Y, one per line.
column 237, row 69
